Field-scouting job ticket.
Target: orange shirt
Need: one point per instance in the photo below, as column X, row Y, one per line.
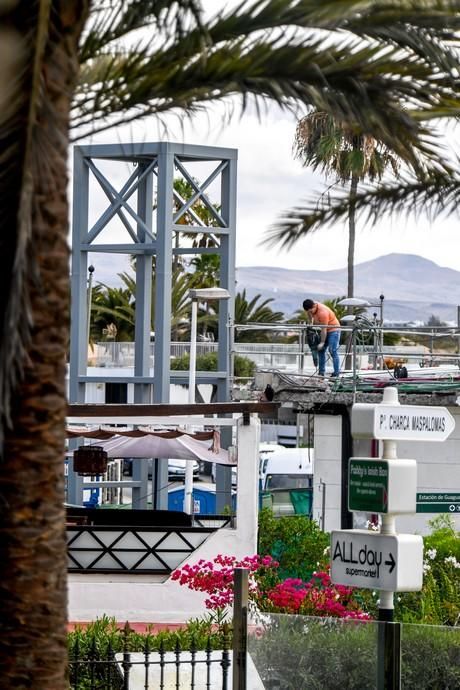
column 323, row 316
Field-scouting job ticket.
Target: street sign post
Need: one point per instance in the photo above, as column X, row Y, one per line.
column 391, row 563
column 382, row 485
column 387, row 561
column 438, row 502
column 401, row 422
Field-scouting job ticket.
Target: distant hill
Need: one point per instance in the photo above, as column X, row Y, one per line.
column 414, row 287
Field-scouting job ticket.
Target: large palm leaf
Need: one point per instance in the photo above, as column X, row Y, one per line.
column 367, row 61
column 434, row 194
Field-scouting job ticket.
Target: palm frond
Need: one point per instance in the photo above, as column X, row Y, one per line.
column 435, row 194
column 362, row 76
column 337, row 149
column 20, row 97
column 111, row 23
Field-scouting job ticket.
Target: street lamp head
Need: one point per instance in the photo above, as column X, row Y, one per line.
column 91, row 269
column 206, row 294
column 353, row 302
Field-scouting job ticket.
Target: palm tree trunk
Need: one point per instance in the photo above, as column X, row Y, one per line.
column 33, row 560
column 351, row 237
column 351, row 261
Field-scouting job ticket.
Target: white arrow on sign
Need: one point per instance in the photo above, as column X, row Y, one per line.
column 401, row 422
column 392, row 563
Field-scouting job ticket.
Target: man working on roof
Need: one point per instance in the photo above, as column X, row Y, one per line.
column 330, row 334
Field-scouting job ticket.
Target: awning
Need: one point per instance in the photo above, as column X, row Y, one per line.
column 145, row 443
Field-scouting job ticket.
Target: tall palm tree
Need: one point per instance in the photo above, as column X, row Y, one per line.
column 337, row 149
column 39, row 46
column 138, row 58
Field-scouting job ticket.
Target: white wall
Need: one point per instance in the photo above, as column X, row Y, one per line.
column 327, row 470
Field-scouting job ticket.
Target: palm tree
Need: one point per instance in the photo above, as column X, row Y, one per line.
column 184, row 192
column 39, row 72
column 337, row 149
column 254, row 312
column 118, row 306
column 205, row 271
column 112, row 306
column 181, row 64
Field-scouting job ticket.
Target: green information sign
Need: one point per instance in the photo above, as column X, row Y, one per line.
column 438, row 502
column 368, row 485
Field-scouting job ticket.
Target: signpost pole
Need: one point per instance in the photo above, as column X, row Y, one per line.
column 389, row 655
column 388, row 561
column 240, row 628
column 389, row 639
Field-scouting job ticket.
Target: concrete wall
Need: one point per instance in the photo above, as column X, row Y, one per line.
column 438, row 470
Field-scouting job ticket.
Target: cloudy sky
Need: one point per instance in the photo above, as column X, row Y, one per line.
column 270, row 181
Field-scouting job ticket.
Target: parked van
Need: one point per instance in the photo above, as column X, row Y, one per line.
column 289, row 468
column 287, row 481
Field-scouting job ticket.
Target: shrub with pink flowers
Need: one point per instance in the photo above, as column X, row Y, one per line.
column 215, row 578
column 317, row 597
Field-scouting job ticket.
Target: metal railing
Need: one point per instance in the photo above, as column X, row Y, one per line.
column 363, row 342
column 96, row 668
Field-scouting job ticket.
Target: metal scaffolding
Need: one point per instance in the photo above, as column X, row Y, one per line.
column 150, row 213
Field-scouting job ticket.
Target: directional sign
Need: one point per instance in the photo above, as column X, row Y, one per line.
column 392, row 563
column 401, row 422
column 438, row 503
column 382, row 486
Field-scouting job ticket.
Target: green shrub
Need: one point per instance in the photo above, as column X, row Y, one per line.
column 430, row 657
column 92, row 648
column 315, row 653
column 105, row 633
column 243, row 367
column 318, row 654
column 438, row 603
column 296, row 542
column 300, row 547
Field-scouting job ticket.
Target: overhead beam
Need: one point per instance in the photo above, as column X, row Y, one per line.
column 161, row 410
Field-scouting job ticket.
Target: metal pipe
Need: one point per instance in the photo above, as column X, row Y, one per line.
column 353, row 346
column 90, row 297
column 188, row 480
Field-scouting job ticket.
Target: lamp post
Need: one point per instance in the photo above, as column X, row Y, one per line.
column 196, row 295
column 357, row 302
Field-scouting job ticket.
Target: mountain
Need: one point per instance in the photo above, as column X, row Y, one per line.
column 414, row 287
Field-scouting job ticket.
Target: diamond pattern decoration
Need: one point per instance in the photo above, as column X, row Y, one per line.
column 94, row 549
